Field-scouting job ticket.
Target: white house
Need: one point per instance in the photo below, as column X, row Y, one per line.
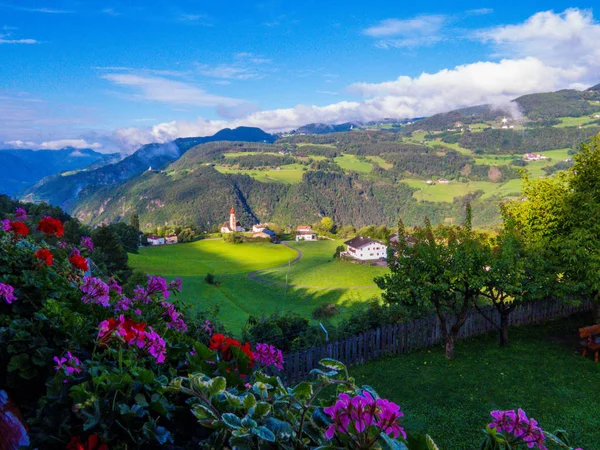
column 259, row 227
column 233, row 226
column 153, row 239
column 171, row 239
column 305, row 233
column 365, row 248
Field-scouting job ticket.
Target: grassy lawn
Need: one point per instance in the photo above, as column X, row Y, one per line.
column 318, row 269
column 236, row 154
column 541, row 372
column 446, row 192
column 238, row 296
column 382, row 163
column 351, row 162
column 576, row 121
column 290, row 173
column 495, row 160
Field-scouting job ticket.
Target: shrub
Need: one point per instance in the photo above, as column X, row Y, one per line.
column 209, row 278
column 326, row 311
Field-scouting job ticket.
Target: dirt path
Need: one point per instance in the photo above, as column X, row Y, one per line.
column 254, row 276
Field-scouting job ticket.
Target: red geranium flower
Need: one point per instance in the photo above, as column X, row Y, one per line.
column 223, row 345
column 91, row 444
column 45, row 255
column 19, row 228
column 79, row 262
column 51, row 227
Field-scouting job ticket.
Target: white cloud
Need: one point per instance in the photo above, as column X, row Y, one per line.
column 417, row 31
column 168, row 91
column 245, row 66
column 54, row 145
column 6, row 38
column 34, row 10
column 479, row 12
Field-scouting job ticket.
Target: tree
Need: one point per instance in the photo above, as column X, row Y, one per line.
column 327, row 224
column 514, row 274
column 186, row 235
column 74, row 230
column 442, row 269
column 128, row 236
column 134, row 221
column 109, row 254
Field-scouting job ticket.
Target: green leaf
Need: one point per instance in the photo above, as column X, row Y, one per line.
column 333, row 364
column 202, row 412
column 430, row 444
column 231, row 420
column 388, row 443
column 283, row 430
column 18, row 362
column 262, row 409
column 248, row 423
column 263, row 433
column 233, row 400
column 140, row 399
column 217, row 385
column 151, row 430
column 249, row 401
column 303, row 390
column 240, row 444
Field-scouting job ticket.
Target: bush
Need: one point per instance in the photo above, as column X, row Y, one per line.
column 276, row 329
column 210, row 278
column 326, row 311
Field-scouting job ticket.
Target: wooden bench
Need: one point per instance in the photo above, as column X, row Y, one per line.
column 590, row 336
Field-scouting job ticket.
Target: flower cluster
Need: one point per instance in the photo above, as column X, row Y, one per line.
column 355, row 416
column 79, row 262
column 175, row 285
column 519, row 426
column 223, row 345
column 114, row 286
column 93, row 443
column 173, row 318
column 132, row 333
column 96, row 291
column 20, row 214
column 268, row 355
column 86, row 242
column 51, row 227
column 44, row 255
column 157, row 284
column 208, row 327
column 17, row 228
column 7, row 293
column 69, row 364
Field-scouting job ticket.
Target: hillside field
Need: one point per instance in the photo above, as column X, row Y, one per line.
column 316, row 279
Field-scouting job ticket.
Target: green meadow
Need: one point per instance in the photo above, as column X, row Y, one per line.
column 312, row 282
column 351, row 162
column 290, row 173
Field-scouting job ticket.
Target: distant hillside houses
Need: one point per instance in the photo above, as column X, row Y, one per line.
column 233, row 226
column 265, row 234
column 171, row 239
column 305, row 233
column 534, row 157
column 259, row 227
column 364, row 248
column 153, row 239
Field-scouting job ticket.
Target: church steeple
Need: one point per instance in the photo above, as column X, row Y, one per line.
column 232, row 220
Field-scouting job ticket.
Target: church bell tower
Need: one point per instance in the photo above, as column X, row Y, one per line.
column 232, row 220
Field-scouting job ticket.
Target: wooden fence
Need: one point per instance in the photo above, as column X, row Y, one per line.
column 415, row 335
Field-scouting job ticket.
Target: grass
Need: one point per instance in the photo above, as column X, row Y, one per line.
column 541, row 372
column 238, row 296
column 446, row 192
column 289, row 174
column 236, row 154
column 351, row 162
column 382, row 162
column 318, row 269
column 576, row 121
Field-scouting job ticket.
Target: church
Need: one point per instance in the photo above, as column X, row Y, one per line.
column 233, row 226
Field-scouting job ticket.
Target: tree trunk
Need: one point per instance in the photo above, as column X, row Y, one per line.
column 503, row 330
column 450, row 347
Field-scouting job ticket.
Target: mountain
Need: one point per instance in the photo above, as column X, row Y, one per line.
column 20, row 169
column 63, row 190
column 563, row 103
column 323, row 128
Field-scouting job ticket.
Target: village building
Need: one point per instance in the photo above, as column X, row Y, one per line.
column 259, row 227
column 265, row 234
column 305, row 233
column 233, row 226
column 171, row 239
column 443, row 181
column 365, row 248
column 533, row 157
column 153, row 239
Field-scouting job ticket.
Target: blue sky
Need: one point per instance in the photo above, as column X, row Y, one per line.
column 118, row 74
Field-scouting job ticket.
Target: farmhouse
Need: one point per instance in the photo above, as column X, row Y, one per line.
column 171, row 239
column 365, row 248
column 305, row 233
column 153, row 239
column 233, row 226
column 259, row 227
column 533, row 157
column 265, row 234
column 443, row 181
